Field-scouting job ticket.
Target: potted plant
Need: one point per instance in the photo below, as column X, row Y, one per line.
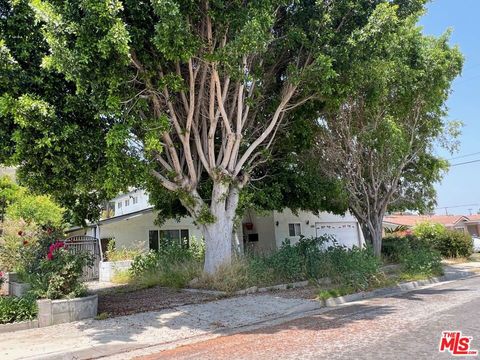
column 248, row 225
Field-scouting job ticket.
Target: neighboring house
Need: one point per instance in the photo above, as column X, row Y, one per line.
column 130, row 220
column 466, row 223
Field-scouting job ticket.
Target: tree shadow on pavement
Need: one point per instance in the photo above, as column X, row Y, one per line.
column 419, row 295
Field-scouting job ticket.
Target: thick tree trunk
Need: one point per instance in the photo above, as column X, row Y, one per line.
column 218, row 234
column 373, row 232
column 218, row 243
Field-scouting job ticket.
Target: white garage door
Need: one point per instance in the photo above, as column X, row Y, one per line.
column 346, row 233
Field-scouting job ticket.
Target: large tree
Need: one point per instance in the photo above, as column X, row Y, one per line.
column 379, row 130
column 185, row 97
column 197, row 88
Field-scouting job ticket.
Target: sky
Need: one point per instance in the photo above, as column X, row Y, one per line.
column 459, row 192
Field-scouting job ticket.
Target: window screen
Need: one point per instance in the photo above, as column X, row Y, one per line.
column 294, row 229
column 153, row 240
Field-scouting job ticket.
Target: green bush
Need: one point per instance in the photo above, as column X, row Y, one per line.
column 22, row 205
column 59, row 275
column 416, row 256
column 24, row 245
column 450, row 243
column 114, row 254
column 14, row 309
column 429, row 231
column 394, row 246
column 453, row 244
column 357, row 269
column 421, row 261
column 173, row 265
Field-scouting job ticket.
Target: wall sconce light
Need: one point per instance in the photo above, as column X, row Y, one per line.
column 276, row 223
column 308, row 222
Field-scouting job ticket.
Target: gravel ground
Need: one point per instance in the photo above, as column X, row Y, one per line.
column 124, row 301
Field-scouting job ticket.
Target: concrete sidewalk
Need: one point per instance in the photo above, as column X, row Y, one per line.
column 119, row 337
column 97, row 338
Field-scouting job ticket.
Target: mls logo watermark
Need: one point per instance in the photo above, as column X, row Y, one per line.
column 457, row 344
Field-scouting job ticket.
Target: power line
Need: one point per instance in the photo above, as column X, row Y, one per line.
column 464, row 156
column 466, row 162
column 454, row 206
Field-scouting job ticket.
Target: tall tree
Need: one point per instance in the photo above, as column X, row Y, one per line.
column 184, row 97
column 379, row 129
column 197, row 88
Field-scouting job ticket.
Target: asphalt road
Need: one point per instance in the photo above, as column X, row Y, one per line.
column 406, row 326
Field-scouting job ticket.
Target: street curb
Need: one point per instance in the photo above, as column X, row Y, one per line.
column 401, row 287
column 250, row 290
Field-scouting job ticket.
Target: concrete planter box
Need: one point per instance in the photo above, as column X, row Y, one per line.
column 18, row 289
column 52, row 312
column 17, row 326
column 13, row 286
column 108, row 269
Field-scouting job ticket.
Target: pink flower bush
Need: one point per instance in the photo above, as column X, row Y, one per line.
column 54, row 247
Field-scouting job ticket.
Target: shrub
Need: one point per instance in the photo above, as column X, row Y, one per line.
column 14, row 309
column 416, row 256
column 450, row 243
column 173, row 265
column 454, row 244
column 357, row 269
column 429, row 231
column 394, row 246
column 59, row 274
column 114, row 254
column 21, row 204
column 40, row 209
column 17, row 244
column 422, row 260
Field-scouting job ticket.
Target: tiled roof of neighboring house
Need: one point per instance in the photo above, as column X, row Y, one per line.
column 475, row 217
column 412, row 220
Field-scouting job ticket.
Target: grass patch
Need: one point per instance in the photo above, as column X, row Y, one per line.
column 325, row 294
column 121, row 254
column 122, row 277
column 175, row 275
column 415, row 277
column 102, row 316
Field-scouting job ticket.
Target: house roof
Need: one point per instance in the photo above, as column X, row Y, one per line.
column 412, row 220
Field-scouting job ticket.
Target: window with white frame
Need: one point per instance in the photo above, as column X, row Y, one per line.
column 119, row 205
column 134, row 200
column 294, row 229
column 127, row 202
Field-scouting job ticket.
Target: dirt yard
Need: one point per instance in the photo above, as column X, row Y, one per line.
column 120, row 301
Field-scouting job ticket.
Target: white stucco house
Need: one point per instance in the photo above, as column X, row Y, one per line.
column 132, row 224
